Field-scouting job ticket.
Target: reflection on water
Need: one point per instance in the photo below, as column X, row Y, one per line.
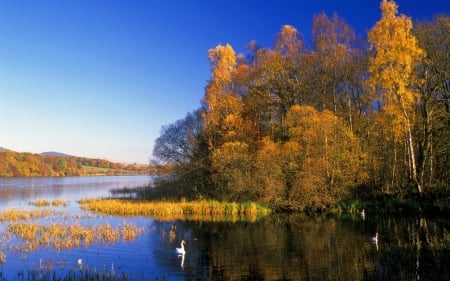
column 277, row 247
column 19, row 191
column 296, row 247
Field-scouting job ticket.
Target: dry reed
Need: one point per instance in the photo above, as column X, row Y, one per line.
column 61, row 236
column 15, row 214
column 202, row 209
column 46, row 203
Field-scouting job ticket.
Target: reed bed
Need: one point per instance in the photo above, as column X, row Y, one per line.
column 85, row 274
column 47, row 203
column 61, row 236
column 15, row 214
column 183, row 209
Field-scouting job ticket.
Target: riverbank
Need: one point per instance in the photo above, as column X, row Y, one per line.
column 434, row 202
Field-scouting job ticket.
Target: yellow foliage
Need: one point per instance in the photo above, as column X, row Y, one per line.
column 396, row 55
column 325, row 147
column 232, row 163
column 288, row 42
column 223, row 63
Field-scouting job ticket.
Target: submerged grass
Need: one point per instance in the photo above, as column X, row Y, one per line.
column 202, row 209
column 15, row 214
column 25, row 230
column 46, row 203
column 61, row 236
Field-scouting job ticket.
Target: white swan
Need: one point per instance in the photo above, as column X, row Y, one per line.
column 181, row 251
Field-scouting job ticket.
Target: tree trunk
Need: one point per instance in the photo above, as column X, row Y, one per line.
column 411, row 151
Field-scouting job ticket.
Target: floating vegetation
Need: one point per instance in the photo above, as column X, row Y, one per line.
column 46, row 203
column 60, row 202
column 15, row 214
column 26, row 230
column 61, row 236
column 203, row 209
column 40, row 203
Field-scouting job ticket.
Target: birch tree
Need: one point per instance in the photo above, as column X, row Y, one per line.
column 395, row 55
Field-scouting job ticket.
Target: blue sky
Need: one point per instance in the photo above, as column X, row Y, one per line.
column 98, row 78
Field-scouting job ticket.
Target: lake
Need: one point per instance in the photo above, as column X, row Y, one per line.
column 276, row 247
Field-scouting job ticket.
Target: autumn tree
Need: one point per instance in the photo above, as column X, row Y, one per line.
column 280, row 77
column 328, row 155
column 179, row 141
column 182, row 145
column 332, row 65
column 269, row 174
column 434, row 88
column 222, row 105
column 396, row 54
column 297, row 127
column 227, row 132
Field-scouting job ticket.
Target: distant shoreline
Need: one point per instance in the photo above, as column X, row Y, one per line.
column 25, row 164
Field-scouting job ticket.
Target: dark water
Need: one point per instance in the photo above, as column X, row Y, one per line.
column 296, row 247
column 277, row 247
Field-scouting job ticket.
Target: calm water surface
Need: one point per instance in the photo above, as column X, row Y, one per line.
column 277, row 247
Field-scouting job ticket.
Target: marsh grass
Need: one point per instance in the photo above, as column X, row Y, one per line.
column 202, row 209
column 85, row 274
column 47, row 203
column 15, row 214
column 25, row 230
column 61, row 236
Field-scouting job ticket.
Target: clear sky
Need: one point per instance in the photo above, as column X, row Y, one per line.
column 98, row 78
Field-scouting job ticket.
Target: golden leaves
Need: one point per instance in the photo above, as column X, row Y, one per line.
column 223, row 63
column 396, row 55
column 288, row 41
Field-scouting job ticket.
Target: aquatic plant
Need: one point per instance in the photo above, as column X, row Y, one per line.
column 46, row 203
column 61, row 236
column 167, row 209
column 60, row 202
column 86, row 274
column 40, row 203
column 15, row 214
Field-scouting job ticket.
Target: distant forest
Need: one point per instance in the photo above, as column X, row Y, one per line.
column 301, row 126
column 17, row 164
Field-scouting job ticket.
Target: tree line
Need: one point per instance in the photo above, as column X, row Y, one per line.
column 301, row 127
column 24, row 164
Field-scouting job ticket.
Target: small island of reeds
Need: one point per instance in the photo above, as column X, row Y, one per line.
column 200, row 209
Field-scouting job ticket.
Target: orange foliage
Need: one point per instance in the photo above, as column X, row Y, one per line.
column 15, row 164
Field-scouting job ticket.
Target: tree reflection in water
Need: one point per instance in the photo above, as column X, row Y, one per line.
column 297, row 247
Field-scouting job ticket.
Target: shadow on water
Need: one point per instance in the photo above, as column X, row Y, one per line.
column 297, row 247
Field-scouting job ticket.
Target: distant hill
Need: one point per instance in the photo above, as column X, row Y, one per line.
column 54, row 153
column 51, row 163
column 2, row 149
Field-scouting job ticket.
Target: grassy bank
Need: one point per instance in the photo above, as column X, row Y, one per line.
column 201, row 209
column 394, row 206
